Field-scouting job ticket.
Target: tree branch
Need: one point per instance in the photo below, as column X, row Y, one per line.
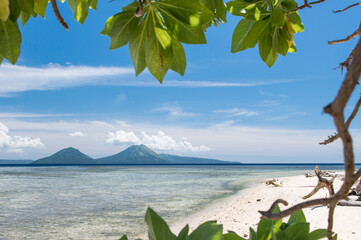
column 348, row 38
column 347, row 124
column 307, row 4
column 353, row 5
column 346, row 63
column 58, row 16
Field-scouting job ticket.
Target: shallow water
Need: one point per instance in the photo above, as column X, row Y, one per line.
column 107, row 201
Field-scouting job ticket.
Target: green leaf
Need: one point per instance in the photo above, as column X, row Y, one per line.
column 318, row 234
column 297, row 217
column 268, row 46
column 183, row 233
column 298, row 231
column 80, row 8
column 136, row 45
column 207, row 231
column 255, row 12
column 188, row 11
column 120, row 27
column 14, row 10
column 24, row 17
column 292, row 48
column 278, row 234
column 282, row 42
column 40, row 7
column 10, row 40
column 277, row 17
column 124, row 237
column 296, row 23
column 26, row 6
column 4, row 10
column 335, row 236
column 157, row 227
column 1, row 59
column 237, row 7
column 179, row 58
column 253, row 234
column 93, row 4
column 239, row 35
column 218, row 8
column 158, row 49
column 257, row 31
column 289, row 5
column 232, row 236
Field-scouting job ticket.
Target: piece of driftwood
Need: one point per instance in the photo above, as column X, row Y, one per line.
column 349, row 203
column 322, row 183
column 273, row 182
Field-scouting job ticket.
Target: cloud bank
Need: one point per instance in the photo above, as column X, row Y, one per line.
column 16, row 143
column 159, row 141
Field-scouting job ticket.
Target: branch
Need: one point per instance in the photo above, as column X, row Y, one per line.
column 348, row 38
column 346, row 63
column 58, row 16
column 306, row 4
column 347, row 124
column 353, row 5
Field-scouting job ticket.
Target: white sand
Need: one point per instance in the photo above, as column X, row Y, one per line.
column 240, row 211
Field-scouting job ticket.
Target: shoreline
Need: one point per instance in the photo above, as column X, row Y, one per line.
column 239, row 212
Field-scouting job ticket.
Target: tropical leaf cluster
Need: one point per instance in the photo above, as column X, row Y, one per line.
column 156, row 30
column 295, row 229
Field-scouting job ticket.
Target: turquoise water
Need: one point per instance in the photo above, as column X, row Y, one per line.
column 108, row 201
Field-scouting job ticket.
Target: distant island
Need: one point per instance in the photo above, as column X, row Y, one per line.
column 136, row 154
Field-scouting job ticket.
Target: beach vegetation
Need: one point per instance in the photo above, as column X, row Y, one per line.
column 155, row 31
column 296, row 228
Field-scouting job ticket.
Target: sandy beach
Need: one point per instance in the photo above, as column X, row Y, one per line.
column 240, row 211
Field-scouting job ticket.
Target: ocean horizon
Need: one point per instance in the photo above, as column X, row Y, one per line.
column 105, row 202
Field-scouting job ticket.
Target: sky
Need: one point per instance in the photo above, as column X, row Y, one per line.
column 67, row 89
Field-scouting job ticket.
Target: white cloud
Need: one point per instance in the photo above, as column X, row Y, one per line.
column 16, row 144
column 121, row 137
column 16, row 78
column 234, row 112
column 31, row 115
column 77, row 134
column 176, row 112
column 101, row 123
column 159, row 141
column 122, row 123
column 287, row 116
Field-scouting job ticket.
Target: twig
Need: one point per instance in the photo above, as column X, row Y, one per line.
column 347, row 124
column 353, row 5
column 306, row 4
column 348, row 38
column 58, row 16
column 330, row 220
column 346, row 63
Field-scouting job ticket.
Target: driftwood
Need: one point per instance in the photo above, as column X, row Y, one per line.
column 322, row 183
column 349, row 203
column 273, row 182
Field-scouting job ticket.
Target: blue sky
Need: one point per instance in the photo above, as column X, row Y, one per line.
column 68, row 89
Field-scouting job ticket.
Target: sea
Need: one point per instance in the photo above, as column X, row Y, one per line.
column 105, row 202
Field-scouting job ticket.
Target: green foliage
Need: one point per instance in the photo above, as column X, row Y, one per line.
column 295, row 229
column 157, row 30
column 271, row 24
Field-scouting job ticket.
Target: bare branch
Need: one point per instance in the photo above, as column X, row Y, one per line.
column 346, row 63
column 58, row 16
column 353, row 5
column 307, row 4
column 347, row 124
column 348, row 38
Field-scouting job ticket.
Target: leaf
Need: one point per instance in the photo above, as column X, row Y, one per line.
column 1, row 59
column 218, row 8
column 40, row 7
column 268, row 49
column 158, row 52
column 4, row 10
column 121, row 27
column 283, row 38
column 296, row 23
column 255, row 12
column 10, row 40
column 24, row 17
column 289, row 5
column 136, row 45
column 183, row 233
column 157, row 227
column 265, row 225
column 26, row 6
column 80, row 8
column 317, row 234
column 14, row 10
column 188, row 11
column 207, row 231
column 278, row 234
column 239, row 35
column 93, row 4
column 124, row 237
column 277, row 17
column 293, row 48
column 179, row 58
column 298, row 231
column 253, row 234
column 257, row 31
column 297, row 217
column 232, row 236
column 237, row 7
